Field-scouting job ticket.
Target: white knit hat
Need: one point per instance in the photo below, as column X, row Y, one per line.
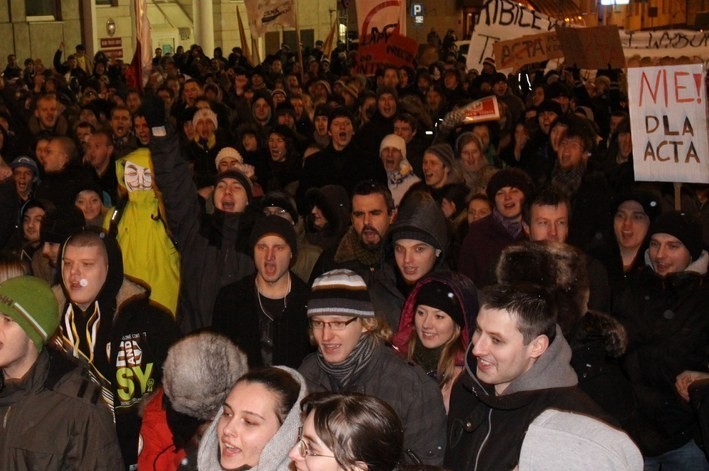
column 205, row 113
column 393, row 141
column 228, row 152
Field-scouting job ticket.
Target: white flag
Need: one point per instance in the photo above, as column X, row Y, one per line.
column 264, row 13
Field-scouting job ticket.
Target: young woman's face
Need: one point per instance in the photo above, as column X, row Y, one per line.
column 433, row 326
column 89, row 203
column 318, row 457
column 248, row 423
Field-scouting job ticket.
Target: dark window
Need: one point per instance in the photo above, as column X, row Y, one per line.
column 42, row 8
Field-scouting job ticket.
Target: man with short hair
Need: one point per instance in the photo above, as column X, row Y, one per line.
column 517, row 366
column 362, row 249
column 62, row 173
column 381, row 123
column 25, row 173
column 124, row 142
column 406, row 126
column 343, row 162
column 53, row 418
column 108, row 323
column 99, row 156
column 47, row 117
column 272, row 325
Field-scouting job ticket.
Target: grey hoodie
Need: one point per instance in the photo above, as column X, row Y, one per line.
column 274, row 456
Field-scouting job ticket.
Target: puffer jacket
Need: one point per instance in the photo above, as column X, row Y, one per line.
column 53, row 419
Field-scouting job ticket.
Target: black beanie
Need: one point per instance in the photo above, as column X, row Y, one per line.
column 681, row 226
column 237, row 175
column 275, row 225
column 513, row 177
column 439, row 296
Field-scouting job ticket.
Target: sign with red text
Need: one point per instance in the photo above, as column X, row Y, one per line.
column 480, row 111
column 668, row 115
column 592, row 48
column 393, row 49
column 514, row 53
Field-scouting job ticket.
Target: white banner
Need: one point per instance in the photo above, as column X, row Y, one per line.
column 502, row 20
column 672, row 43
column 377, row 19
column 668, row 115
column 264, row 13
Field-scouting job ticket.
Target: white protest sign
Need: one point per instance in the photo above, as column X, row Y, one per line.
column 672, row 43
column 502, row 20
column 668, row 116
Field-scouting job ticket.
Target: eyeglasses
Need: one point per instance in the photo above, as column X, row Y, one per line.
column 334, row 325
column 303, row 448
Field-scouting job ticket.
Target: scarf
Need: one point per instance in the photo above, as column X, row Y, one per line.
column 512, row 227
column 427, row 358
column 568, row 181
column 348, row 371
column 351, row 246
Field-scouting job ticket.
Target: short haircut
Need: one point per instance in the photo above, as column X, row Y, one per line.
column 68, row 145
column 407, row 118
column 119, row 108
column 89, row 238
column 371, row 187
column 547, row 196
column 530, row 305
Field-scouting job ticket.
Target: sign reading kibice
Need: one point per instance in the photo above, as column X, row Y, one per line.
column 669, row 123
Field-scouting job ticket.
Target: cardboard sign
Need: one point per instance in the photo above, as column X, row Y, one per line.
column 669, row 123
column 592, row 48
column 500, row 20
column 514, row 53
column 395, row 50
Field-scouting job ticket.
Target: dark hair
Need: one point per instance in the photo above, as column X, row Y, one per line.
column 370, row 187
column 547, row 196
column 279, row 382
column 356, row 428
column 530, row 304
column 408, row 118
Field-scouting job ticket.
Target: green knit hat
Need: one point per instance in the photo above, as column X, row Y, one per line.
column 29, row 301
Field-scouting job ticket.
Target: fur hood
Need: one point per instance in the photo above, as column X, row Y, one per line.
column 274, row 456
column 199, row 372
column 596, row 327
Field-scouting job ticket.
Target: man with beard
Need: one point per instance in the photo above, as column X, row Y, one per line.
column 362, row 249
column 265, row 313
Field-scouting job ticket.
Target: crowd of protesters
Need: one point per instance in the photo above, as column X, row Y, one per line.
column 493, row 292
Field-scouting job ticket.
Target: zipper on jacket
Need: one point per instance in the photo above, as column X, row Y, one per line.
column 4, row 419
column 487, row 436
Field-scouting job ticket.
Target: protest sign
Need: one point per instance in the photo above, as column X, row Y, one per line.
column 480, row 111
column 264, row 13
column 672, row 43
column 669, row 123
column 502, row 20
column 393, row 49
column 376, row 18
column 515, row 53
column 592, row 48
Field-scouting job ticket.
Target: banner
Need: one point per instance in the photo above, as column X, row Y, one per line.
column 394, row 49
column 673, row 43
column 376, row 19
column 592, row 48
column 515, row 53
column 480, row 111
column 669, row 123
column 264, row 13
column 503, row 20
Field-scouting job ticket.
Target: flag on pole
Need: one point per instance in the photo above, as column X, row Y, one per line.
column 264, row 13
column 330, row 39
column 140, row 65
column 242, row 38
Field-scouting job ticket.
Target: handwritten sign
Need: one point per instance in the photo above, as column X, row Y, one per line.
column 502, row 20
column 592, row 48
column 515, row 53
column 669, row 123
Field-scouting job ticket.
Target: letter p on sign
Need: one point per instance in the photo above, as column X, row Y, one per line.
column 417, row 9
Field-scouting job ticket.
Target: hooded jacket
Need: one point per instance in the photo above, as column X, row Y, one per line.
column 274, row 456
column 208, row 244
column 485, row 431
column 667, row 320
column 122, row 338
column 53, row 419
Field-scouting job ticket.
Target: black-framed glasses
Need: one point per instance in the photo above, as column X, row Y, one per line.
column 333, row 325
column 304, row 449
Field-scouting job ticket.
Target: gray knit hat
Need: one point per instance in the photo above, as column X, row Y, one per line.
column 445, row 154
column 199, row 372
column 340, row 292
